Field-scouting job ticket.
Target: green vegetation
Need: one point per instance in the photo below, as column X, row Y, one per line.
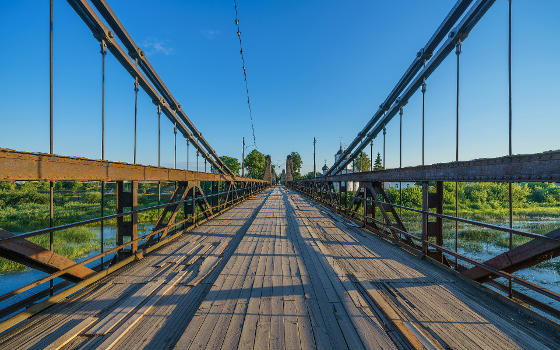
column 362, row 162
column 232, row 164
column 378, row 164
column 489, row 201
column 309, row 175
column 25, row 207
column 296, row 164
column 254, row 163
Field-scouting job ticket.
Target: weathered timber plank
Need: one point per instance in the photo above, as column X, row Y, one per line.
column 233, row 333
column 107, row 323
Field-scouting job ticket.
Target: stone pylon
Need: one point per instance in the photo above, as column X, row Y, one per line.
column 289, row 170
column 267, row 169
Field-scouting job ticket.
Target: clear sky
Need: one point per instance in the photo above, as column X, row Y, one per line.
column 316, row 69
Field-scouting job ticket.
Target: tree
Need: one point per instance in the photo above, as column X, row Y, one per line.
column 378, row 164
column 254, row 163
column 296, row 163
column 309, row 175
column 232, row 164
column 362, row 162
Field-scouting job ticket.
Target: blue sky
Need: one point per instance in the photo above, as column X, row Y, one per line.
column 315, row 68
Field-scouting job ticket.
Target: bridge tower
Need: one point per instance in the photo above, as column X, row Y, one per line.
column 289, row 170
column 267, row 169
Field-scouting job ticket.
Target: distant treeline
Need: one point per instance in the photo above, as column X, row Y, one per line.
column 484, row 195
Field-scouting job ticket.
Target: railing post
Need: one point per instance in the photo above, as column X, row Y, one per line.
column 214, row 194
column 127, row 199
column 339, row 195
column 364, row 206
column 425, row 209
column 344, row 197
column 187, row 208
column 134, row 216
column 194, row 202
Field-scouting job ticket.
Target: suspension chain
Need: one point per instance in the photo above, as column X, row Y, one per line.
column 245, row 74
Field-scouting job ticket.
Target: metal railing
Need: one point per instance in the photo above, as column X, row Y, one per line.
column 370, row 198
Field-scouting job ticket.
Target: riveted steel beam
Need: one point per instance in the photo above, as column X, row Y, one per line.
column 539, row 167
column 16, row 165
column 101, row 32
column 137, row 54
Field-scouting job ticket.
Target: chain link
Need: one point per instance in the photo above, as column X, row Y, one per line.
column 245, row 74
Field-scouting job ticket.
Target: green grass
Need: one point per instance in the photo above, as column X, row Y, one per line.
column 497, row 215
column 31, row 216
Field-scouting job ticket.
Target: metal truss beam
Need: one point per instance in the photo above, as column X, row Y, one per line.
column 102, row 33
column 15, row 165
column 136, row 53
column 386, row 112
column 30, row 254
column 539, row 167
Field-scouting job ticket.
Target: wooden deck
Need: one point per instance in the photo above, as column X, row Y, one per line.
column 279, row 272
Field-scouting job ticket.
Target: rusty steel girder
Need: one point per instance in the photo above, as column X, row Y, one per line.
column 16, row 165
column 102, row 33
column 538, row 167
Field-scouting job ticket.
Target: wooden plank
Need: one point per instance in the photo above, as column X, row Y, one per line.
column 247, row 338
column 119, row 333
column 176, row 257
column 419, row 291
column 341, row 303
column 195, row 324
column 201, row 322
column 322, row 309
column 371, row 333
column 234, row 331
column 276, row 338
column 224, row 318
column 409, row 330
column 71, row 334
column 217, row 297
column 291, row 333
column 264, row 320
column 114, row 317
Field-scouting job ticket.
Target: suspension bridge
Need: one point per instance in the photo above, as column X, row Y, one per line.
column 237, row 262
